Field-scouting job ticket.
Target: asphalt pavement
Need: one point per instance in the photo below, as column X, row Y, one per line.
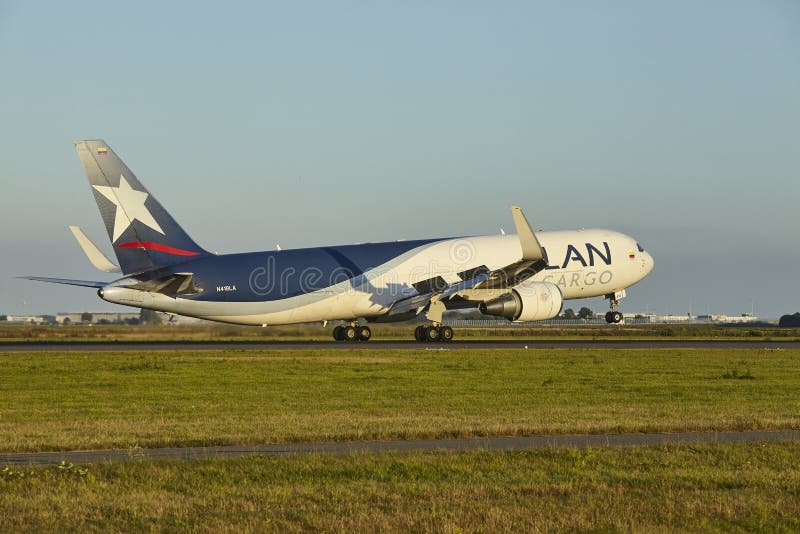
column 515, row 443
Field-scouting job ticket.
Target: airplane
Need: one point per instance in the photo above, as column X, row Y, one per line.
column 525, row 276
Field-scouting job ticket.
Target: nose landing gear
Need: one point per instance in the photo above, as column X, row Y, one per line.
column 613, row 316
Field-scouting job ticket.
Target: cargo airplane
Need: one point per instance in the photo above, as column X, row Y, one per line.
column 521, row 277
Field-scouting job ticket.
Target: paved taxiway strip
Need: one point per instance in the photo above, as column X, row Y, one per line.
column 70, row 346
column 580, row 441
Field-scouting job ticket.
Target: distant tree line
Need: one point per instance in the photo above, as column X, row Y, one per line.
column 150, row 317
column 583, row 313
column 790, row 320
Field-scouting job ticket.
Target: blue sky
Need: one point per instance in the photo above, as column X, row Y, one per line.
column 310, row 123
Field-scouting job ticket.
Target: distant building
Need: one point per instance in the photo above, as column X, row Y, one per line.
column 674, row 319
column 23, row 319
column 96, row 318
column 728, row 319
column 639, row 318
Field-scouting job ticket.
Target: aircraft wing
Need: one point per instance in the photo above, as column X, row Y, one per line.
column 418, row 302
column 410, row 304
column 533, row 260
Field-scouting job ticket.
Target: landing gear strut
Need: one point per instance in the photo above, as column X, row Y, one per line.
column 432, row 333
column 352, row 332
column 614, row 316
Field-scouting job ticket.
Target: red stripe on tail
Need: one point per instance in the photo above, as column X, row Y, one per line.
column 158, row 247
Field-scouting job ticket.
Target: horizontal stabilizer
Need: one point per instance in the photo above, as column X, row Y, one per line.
column 67, row 281
column 98, row 259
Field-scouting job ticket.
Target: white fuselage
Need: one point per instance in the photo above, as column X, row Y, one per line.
column 582, row 263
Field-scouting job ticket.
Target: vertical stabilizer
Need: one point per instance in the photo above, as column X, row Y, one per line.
column 143, row 234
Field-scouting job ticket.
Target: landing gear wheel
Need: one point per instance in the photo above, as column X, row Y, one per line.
column 337, row 333
column 364, row 333
column 445, row 334
column 349, row 333
column 419, row 333
column 431, row 333
column 613, row 316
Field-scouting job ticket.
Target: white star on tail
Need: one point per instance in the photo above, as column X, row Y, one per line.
column 130, row 207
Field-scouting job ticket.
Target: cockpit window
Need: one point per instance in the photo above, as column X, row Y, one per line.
column 641, row 249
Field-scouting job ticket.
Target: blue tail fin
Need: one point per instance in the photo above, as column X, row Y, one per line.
column 143, row 234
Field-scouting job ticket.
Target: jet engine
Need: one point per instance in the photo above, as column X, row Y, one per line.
column 528, row 301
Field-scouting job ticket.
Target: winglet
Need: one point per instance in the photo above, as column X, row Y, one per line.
column 531, row 249
column 98, row 259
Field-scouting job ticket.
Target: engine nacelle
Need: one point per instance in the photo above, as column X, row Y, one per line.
column 528, row 301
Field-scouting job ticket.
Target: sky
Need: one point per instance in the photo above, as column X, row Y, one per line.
column 316, row 123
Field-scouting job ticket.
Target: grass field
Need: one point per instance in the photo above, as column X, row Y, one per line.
column 699, row 488
column 56, row 401
column 387, row 332
column 69, row 400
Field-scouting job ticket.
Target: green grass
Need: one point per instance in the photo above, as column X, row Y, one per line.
column 71, row 400
column 387, row 332
column 687, row 488
column 56, row 401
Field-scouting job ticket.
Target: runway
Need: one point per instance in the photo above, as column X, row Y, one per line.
column 116, row 346
column 577, row 441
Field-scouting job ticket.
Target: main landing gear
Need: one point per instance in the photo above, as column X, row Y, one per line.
column 435, row 331
column 352, row 332
column 432, row 333
column 614, row 316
